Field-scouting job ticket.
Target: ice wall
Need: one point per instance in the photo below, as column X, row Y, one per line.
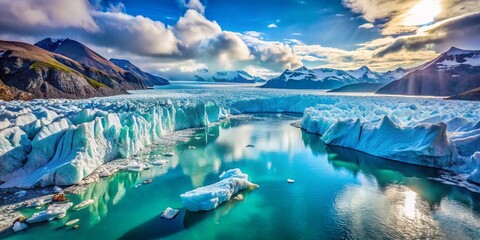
column 434, row 134
column 47, row 142
column 41, row 149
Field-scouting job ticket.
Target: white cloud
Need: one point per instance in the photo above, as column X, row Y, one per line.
column 23, row 16
column 193, row 4
column 272, row 25
column 254, row 34
column 366, row 25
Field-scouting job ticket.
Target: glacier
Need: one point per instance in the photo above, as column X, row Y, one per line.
column 210, row 197
column 60, row 142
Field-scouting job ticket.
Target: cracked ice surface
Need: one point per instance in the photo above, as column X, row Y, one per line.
column 59, row 142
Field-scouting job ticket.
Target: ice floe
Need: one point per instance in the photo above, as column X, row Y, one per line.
column 210, row 197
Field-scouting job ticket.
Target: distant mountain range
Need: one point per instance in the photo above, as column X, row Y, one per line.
column 328, row 78
column 226, row 76
column 454, row 72
column 63, row 68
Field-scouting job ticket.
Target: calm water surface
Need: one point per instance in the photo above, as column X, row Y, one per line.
column 337, row 194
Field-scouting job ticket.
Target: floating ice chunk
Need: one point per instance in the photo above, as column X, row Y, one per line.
column 54, row 211
column 19, row 226
column 135, row 167
column 83, row 204
column 209, row 197
column 290, row 180
column 169, row 213
column 169, row 154
column 159, row 162
column 71, row 222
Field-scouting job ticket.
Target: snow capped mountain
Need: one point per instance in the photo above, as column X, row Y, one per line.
column 226, row 76
column 395, row 74
column 452, row 73
column 364, row 74
column 324, row 78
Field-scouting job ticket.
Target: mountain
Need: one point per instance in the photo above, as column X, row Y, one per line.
column 226, row 76
column 364, row 74
column 452, row 73
column 395, row 74
column 359, row 87
column 149, row 79
column 323, row 78
column 27, row 71
column 96, row 66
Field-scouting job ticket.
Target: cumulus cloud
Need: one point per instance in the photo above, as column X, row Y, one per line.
column 271, row 54
column 366, row 25
column 138, row 35
column 193, row 4
column 272, row 25
column 39, row 16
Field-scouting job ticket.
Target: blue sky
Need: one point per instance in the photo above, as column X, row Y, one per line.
column 177, row 37
column 328, row 23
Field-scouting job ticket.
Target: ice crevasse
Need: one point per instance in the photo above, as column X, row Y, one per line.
column 59, row 142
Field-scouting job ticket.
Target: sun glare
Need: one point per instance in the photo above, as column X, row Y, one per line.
column 423, row 13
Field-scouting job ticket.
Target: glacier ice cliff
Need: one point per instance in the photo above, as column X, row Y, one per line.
column 59, row 142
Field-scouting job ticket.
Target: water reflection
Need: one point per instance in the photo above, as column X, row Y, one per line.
column 396, row 200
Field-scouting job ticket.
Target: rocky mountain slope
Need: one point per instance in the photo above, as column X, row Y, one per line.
column 452, row 73
column 148, row 79
column 43, row 74
column 96, row 66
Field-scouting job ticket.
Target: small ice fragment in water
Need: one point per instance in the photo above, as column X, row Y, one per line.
column 83, row 204
column 250, row 146
column 19, row 226
column 169, row 213
column 169, row 154
column 211, row 135
column 38, row 202
column 191, row 147
column 135, row 167
column 198, row 138
column 71, row 222
column 290, row 180
column 159, row 162
column 53, row 211
column 148, row 181
column 138, row 185
column 239, row 197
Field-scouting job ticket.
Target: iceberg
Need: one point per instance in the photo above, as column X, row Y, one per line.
column 53, row 211
column 210, row 197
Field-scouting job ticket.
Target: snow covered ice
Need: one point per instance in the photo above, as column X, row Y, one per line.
column 60, row 142
column 210, row 197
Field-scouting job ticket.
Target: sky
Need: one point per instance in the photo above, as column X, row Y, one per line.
column 175, row 38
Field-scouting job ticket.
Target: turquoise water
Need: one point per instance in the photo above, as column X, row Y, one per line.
column 337, row 194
